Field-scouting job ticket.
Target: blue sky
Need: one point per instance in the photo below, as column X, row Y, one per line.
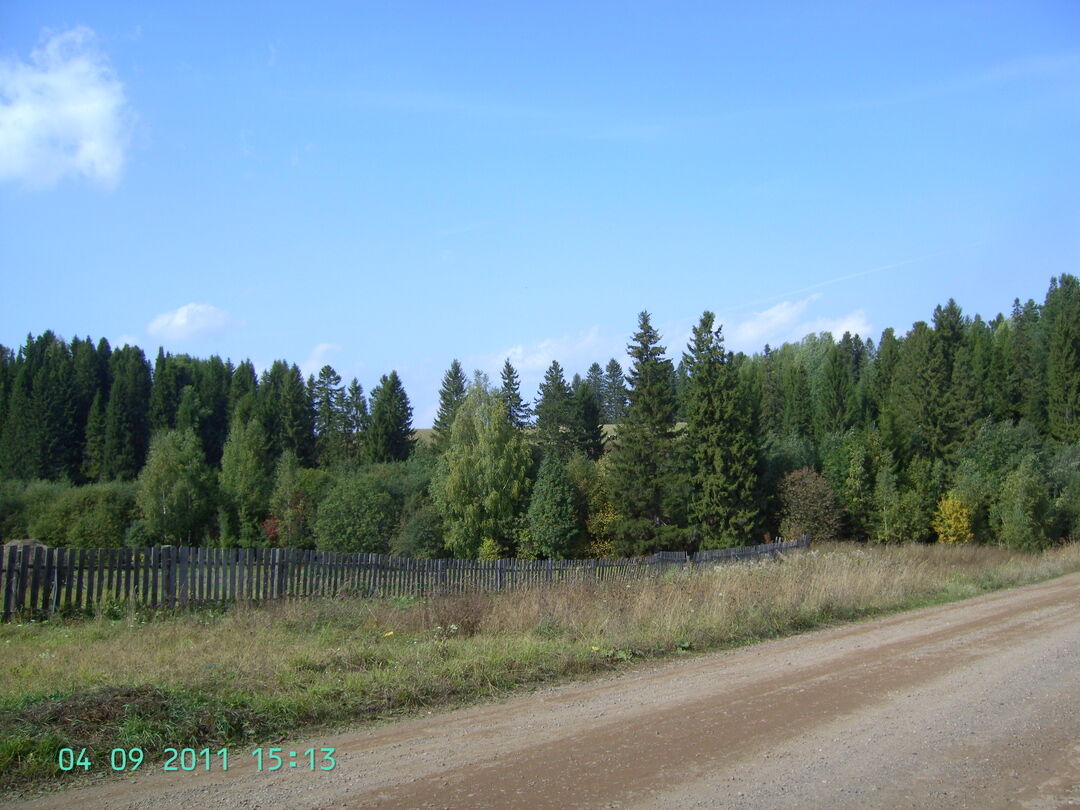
column 392, row 185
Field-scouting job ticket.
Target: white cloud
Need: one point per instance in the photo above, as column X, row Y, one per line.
column 190, row 320
column 62, row 113
column 787, row 322
column 854, row 322
column 777, row 319
column 317, row 359
column 575, row 354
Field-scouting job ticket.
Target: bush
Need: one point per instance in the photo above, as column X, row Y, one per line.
column 1020, row 517
column 808, row 506
column 358, row 514
column 952, row 521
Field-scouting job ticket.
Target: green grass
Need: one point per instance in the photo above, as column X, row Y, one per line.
column 242, row 675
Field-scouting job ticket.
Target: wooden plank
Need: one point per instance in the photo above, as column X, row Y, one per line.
column 109, row 574
column 35, row 577
column 48, row 575
column 10, row 586
column 168, row 556
column 181, row 576
column 101, row 566
column 23, row 572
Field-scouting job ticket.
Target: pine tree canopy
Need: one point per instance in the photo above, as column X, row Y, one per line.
column 389, row 434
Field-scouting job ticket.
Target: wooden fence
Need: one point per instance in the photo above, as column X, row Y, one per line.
column 36, row 579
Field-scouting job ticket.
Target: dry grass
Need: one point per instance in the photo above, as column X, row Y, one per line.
column 251, row 673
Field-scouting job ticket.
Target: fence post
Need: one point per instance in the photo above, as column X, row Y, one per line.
column 168, row 563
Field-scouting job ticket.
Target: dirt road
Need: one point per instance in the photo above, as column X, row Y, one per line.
column 975, row 705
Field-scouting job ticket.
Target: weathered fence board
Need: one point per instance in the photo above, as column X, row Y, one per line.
column 40, row 580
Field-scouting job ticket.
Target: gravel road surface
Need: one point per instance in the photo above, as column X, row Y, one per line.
column 974, row 704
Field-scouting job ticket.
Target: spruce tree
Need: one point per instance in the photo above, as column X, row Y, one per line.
column 20, row 446
column 645, row 467
column 243, row 388
column 451, row 395
column 328, row 400
column 57, row 404
column 127, row 429
column 587, row 418
column 356, row 419
column 164, row 393
column 555, row 422
column 389, row 434
column 834, row 394
column 1063, row 376
column 613, row 393
column 719, row 433
column 212, row 383
column 93, row 462
column 554, row 525
column 517, row 410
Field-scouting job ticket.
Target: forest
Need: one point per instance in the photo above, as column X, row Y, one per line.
column 959, row 430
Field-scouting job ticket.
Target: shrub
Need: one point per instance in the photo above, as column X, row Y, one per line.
column 808, row 506
column 1020, row 517
column 952, row 521
column 358, row 514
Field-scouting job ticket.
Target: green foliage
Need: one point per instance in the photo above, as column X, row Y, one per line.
column 293, row 502
column 176, row 490
column 127, row 430
column 593, row 499
column 245, row 483
column 648, row 477
column 1020, row 518
column 389, row 434
column 1063, row 359
column 357, row 514
column 103, row 514
column 554, row 514
column 808, row 507
column 1064, row 478
column 481, row 486
column 586, row 418
column 490, row 549
column 719, row 432
column 451, row 395
column 555, row 422
column 328, row 399
column 613, row 393
column 517, row 409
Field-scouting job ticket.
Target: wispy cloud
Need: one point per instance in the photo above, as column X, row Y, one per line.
column 575, row 354
column 188, row 321
column 62, row 113
column 787, row 321
column 318, row 357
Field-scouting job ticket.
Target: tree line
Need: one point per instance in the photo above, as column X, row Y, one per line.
column 959, row 429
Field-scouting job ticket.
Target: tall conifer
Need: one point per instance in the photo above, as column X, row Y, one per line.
column 389, row 435
column 451, row 395
column 719, row 433
column 645, row 471
column 518, row 411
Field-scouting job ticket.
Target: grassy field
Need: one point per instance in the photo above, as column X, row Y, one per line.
column 242, row 674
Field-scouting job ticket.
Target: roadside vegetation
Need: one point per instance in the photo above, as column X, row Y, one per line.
column 241, row 675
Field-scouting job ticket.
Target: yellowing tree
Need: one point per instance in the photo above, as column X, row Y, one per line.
column 952, row 521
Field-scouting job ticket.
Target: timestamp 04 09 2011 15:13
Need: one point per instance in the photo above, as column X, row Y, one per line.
column 189, row 760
